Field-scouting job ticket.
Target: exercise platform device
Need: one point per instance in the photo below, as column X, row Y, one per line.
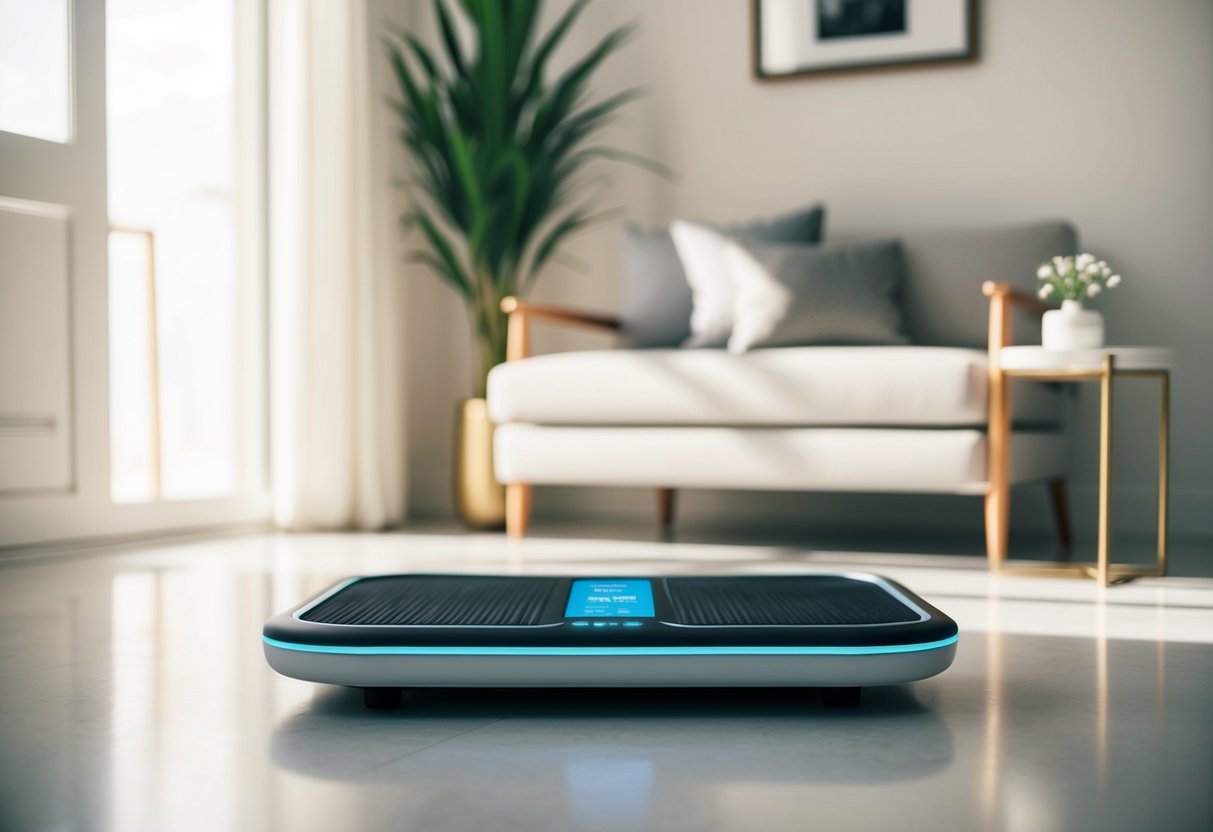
column 838, row 631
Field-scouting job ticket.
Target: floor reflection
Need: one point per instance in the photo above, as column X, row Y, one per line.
column 551, row 735
column 604, row 759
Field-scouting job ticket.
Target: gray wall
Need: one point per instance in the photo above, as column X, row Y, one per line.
column 1100, row 111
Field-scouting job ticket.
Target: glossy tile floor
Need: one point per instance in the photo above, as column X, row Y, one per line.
column 134, row 696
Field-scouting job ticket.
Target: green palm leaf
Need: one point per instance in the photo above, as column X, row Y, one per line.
column 499, row 150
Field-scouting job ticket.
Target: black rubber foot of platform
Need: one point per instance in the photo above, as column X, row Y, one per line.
column 841, row 697
column 381, row 699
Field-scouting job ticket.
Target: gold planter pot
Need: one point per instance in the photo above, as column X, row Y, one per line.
column 479, row 498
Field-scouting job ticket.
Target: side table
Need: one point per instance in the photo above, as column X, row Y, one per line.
column 1106, row 366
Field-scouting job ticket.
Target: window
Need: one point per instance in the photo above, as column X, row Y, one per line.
column 158, row 325
column 35, row 67
column 183, row 266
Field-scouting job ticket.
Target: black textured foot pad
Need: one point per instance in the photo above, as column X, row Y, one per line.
column 436, row 601
column 783, row 600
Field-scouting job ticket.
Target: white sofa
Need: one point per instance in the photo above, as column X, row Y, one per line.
column 900, row 419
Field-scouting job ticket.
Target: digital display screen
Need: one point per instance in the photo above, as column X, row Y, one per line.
column 610, row 598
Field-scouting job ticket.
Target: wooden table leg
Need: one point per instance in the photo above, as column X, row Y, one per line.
column 1105, row 467
column 1164, row 450
column 998, row 438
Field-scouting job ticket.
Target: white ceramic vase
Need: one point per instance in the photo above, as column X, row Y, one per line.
column 1071, row 328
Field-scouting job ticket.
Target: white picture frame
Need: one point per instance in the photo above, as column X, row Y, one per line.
column 806, row 37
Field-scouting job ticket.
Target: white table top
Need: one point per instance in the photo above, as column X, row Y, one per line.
column 1127, row 358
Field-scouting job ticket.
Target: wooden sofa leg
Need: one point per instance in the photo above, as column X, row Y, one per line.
column 665, row 507
column 1061, row 512
column 517, row 508
column 998, row 525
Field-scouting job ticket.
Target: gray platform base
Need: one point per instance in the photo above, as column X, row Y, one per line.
column 375, row 671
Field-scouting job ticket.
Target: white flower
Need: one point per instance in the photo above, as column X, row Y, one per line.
column 1074, row 276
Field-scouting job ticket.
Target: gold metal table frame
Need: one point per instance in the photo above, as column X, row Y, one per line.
column 1103, row 569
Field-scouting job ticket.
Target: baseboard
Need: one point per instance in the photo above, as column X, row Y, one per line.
column 96, row 543
column 1134, row 508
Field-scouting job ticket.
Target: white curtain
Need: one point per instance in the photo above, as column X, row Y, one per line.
column 336, row 372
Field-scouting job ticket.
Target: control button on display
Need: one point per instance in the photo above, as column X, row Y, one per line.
column 581, row 623
column 631, row 623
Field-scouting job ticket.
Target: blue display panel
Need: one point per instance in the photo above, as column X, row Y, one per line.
column 610, row 598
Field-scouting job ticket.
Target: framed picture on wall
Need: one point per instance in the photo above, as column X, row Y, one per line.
column 804, row 37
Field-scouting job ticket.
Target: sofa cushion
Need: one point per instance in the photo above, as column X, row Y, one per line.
column 943, row 303
column 916, row 461
column 791, row 386
column 657, row 298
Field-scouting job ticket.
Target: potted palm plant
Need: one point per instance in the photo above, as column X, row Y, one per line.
column 499, row 150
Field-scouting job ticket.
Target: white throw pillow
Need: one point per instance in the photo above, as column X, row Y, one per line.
column 760, row 301
column 701, row 251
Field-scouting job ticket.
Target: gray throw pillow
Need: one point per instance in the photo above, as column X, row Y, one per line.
column 657, row 297
column 787, row 295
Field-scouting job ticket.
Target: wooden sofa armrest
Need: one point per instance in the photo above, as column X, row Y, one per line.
column 1002, row 297
column 518, row 333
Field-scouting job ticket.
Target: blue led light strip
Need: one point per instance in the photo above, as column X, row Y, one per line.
column 775, row 650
